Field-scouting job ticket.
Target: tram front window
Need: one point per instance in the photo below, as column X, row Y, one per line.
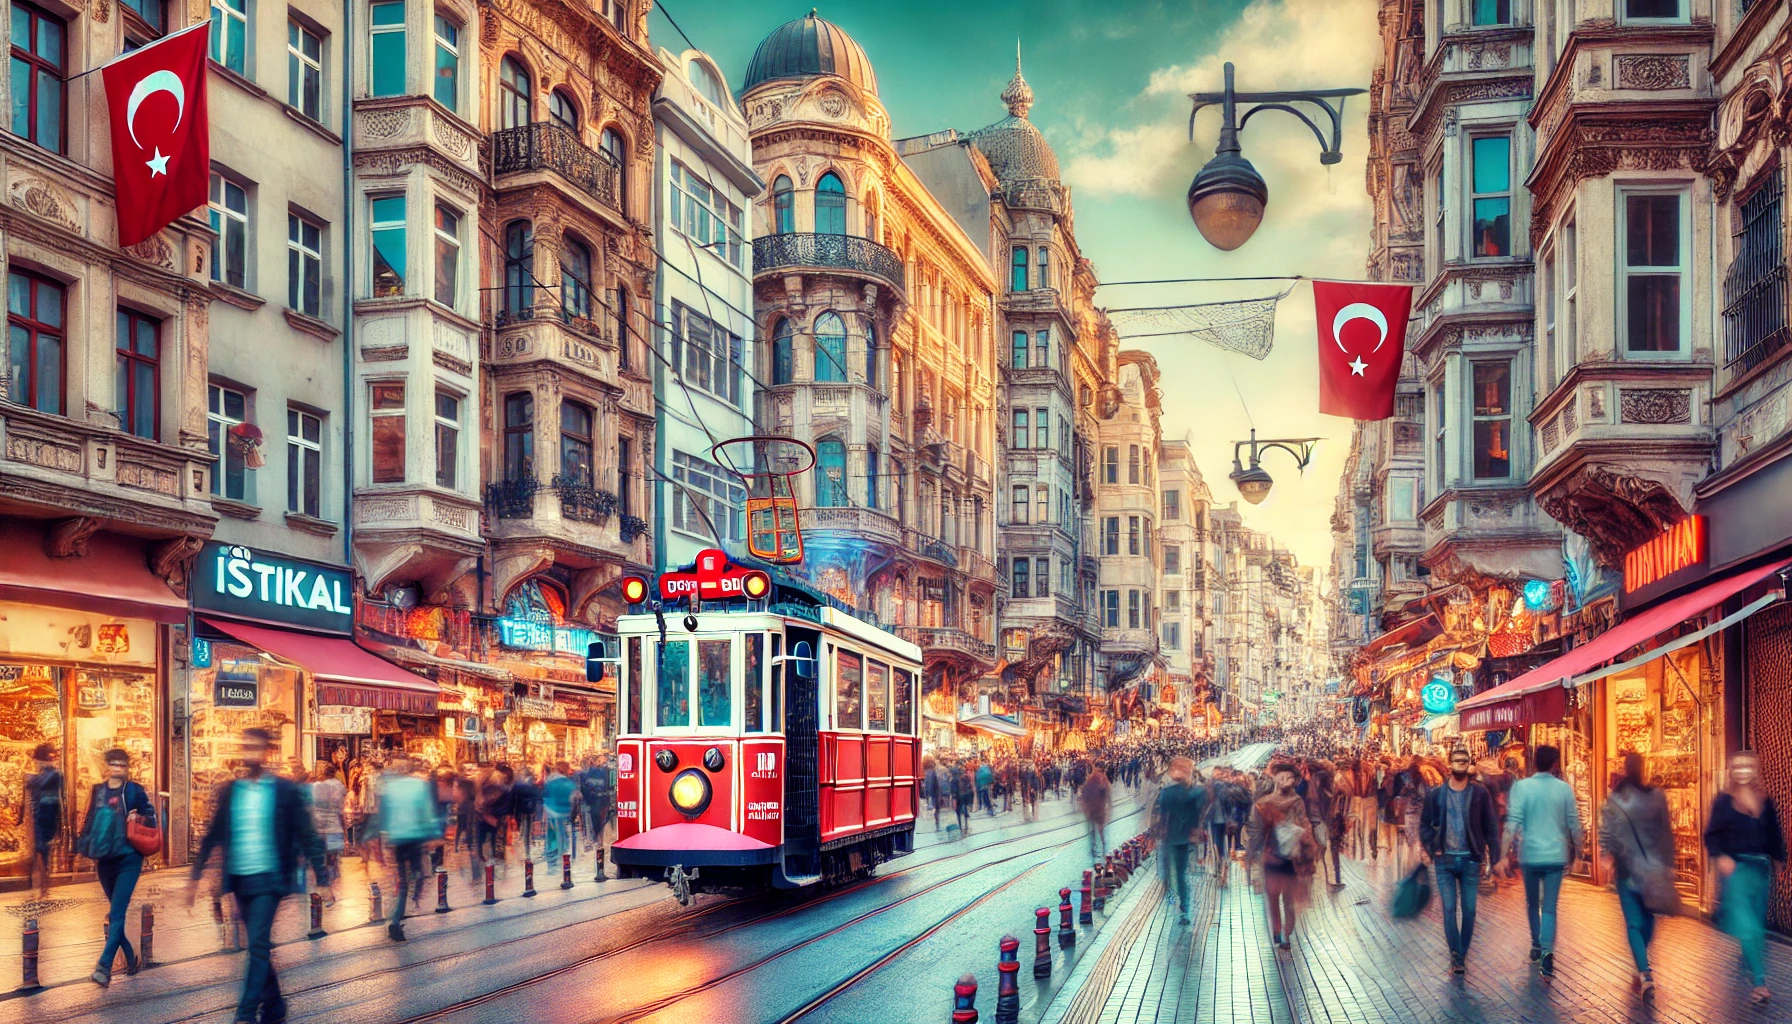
column 672, row 683
column 715, row 683
column 753, row 683
column 636, row 691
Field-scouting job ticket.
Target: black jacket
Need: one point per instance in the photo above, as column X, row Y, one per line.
column 1482, row 823
column 294, row 835
column 1182, row 809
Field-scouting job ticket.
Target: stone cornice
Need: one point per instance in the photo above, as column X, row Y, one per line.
column 1452, row 329
column 1625, row 371
column 1596, row 139
column 1457, row 88
column 1747, row 31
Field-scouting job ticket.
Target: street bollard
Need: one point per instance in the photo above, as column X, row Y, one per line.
column 1008, row 982
column 1066, row 930
column 1042, row 943
column 491, row 887
column 317, row 917
column 435, row 858
column 964, row 1000
column 1086, row 916
column 441, row 890
column 528, row 878
column 376, row 910
column 217, row 908
column 146, row 946
column 31, row 984
column 1101, row 888
column 566, row 871
column 598, row 851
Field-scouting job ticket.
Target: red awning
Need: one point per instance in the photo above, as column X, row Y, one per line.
column 346, row 674
column 1614, row 642
column 113, row 578
column 1416, row 632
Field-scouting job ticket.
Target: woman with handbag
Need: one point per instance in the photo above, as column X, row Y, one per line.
column 1636, row 832
column 1747, row 847
column 120, row 830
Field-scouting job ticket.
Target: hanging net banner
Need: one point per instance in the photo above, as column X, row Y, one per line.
column 1240, row 325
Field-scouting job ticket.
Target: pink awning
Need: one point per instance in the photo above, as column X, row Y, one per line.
column 1622, row 637
column 337, row 660
column 113, row 578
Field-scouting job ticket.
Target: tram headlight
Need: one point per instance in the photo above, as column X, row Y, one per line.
column 712, row 759
column 666, row 759
column 634, row 589
column 690, row 792
column 756, row 584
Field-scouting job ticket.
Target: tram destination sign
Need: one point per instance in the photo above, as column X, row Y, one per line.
column 714, row 578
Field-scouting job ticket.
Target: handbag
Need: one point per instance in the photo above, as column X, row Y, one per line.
column 145, row 839
column 1412, row 895
column 1655, row 885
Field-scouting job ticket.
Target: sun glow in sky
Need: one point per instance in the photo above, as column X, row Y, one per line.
column 1110, row 78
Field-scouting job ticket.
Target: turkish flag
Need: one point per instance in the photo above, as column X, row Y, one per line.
column 161, row 139
column 1362, row 341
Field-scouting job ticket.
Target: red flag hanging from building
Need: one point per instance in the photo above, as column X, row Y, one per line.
column 161, row 138
column 1362, row 340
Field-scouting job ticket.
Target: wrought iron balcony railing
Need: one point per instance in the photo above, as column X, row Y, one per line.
column 512, row 499
column 828, row 252
column 549, row 147
column 581, row 501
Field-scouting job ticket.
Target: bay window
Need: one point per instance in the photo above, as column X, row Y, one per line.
column 1491, row 195
column 387, row 410
column 1492, row 396
column 387, row 227
column 385, row 44
column 139, row 376
column 1652, row 269
column 447, row 440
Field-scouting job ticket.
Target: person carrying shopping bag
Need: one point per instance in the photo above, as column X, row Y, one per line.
column 120, row 830
column 1637, row 834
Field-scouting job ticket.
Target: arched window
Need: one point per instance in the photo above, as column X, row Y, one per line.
column 513, row 94
column 564, row 111
column 783, row 365
column 519, row 268
column 830, row 349
column 871, row 477
column 830, row 205
column 519, row 436
column 830, row 479
column 1018, row 281
column 707, row 82
column 575, row 279
column 870, row 354
column 613, row 146
column 783, row 206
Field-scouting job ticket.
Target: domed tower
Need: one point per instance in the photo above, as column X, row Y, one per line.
column 876, row 347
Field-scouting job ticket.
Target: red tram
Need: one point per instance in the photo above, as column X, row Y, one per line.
column 772, row 743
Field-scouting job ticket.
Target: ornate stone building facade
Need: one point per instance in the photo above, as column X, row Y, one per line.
column 1126, row 513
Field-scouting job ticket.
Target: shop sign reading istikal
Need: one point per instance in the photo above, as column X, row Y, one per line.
column 236, row 580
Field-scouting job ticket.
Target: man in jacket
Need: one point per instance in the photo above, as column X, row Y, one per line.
column 595, row 792
column 41, row 813
column 260, row 827
column 1095, row 797
column 1543, row 818
column 1181, row 808
column 408, row 821
column 1458, row 832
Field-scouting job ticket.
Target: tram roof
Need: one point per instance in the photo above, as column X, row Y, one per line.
column 830, row 618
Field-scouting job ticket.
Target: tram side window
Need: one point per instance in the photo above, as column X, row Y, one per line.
column 672, row 683
column 877, row 697
column 637, row 685
column 905, row 702
column 848, row 689
column 714, row 681
column 778, row 670
column 755, row 683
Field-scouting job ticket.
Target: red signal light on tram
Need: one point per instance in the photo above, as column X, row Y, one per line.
column 756, row 585
column 634, row 589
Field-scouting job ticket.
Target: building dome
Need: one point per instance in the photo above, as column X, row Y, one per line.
column 1015, row 148
column 808, row 47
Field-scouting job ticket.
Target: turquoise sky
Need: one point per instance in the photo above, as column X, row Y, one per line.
column 1109, row 81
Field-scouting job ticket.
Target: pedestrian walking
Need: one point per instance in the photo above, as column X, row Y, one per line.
column 1095, row 799
column 597, row 795
column 408, row 822
column 261, row 828
column 1748, row 847
column 40, row 811
column 525, row 807
column 1543, row 820
column 1219, row 819
column 964, row 797
column 1637, row 834
column 986, row 780
column 930, row 785
column 1280, row 840
column 328, row 796
column 114, row 803
column 557, row 795
column 491, row 806
column 1182, row 811
column 1459, row 833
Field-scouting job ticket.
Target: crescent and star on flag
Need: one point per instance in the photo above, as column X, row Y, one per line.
column 1359, row 311
column 147, row 86
column 157, row 186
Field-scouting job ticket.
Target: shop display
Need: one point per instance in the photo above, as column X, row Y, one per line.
column 1655, row 711
column 239, row 690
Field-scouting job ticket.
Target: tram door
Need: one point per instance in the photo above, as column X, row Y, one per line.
column 802, row 743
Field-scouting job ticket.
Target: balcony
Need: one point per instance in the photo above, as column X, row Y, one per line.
column 976, row 565
column 861, row 523
column 511, row 499
column 931, row 548
column 799, row 252
column 580, row 501
column 549, row 147
column 948, row 640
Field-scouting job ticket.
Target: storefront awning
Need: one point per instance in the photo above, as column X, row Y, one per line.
column 346, row 674
column 1576, row 666
column 111, row 579
column 1412, row 634
column 993, row 724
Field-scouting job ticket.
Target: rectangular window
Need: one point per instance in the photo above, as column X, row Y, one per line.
column 672, row 703
column 1132, row 464
column 1439, row 461
column 635, row 683
column 1042, row 347
column 447, row 82
column 1172, row 506
column 230, row 34
column 1755, row 284
column 519, row 436
column 703, row 214
column 1492, row 195
column 1110, row 600
column 1570, row 297
column 1493, row 420
column 153, row 13
column 1020, row 438
column 1132, row 609
column 1437, row 220
column 230, row 219
column 304, row 70
column 304, row 463
column 715, row 683
column 753, row 684
column 1021, row 505
column 706, row 490
column 1042, row 576
column 877, row 697
column 388, row 231
column 1403, row 501
column 1018, row 276
column 1021, row 573
column 1663, row 10
column 226, row 409
column 625, row 476
column 1110, row 460
column 1654, row 264
column 1017, row 356
column 1045, row 267
column 1042, row 428
column 39, row 56
column 388, row 414
column 1173, row 602
column 1111, row 535
column 1172, row 560
column 707, row 355
column 848, row 690
column 139, row 376
column 1042, row 504
column 304, row 265
column 1132, row 535
column 447, row 255
column 386, row 49
column 1490, row 12
column 447, row 440
column 902, row 696
column 1173, row 634
column 1550, row 302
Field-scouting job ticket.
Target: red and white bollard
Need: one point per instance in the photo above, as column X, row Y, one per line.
column 317, row 917
column 491, row 887
column 964, row 1000
column 31, row 984
column 1066, row 930
column 528, row 878
column 566, row 871
column 1087, row 915
column 1008, row 982
column 441, row 890
column 1042, row 942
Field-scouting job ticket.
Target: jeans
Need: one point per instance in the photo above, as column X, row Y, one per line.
column 1458, row 878
column 1745, row 911
column 1639, row 923
column 407, row 859
column 118, row 877
column 1176, row 861
column 1278, row 890
column 1542, row 886
column 559, row 839
column 257, row 898
column 983, row 800
column 1098, row 839
column 1220, row 852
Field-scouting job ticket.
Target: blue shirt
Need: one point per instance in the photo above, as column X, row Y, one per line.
column 1456, row 804
column 252, row 827
column 1543, row 812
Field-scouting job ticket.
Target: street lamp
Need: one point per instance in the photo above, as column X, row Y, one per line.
column 1254, row 483
column 1228, row 195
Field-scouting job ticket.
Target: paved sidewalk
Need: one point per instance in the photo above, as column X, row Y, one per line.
column 1352, row 964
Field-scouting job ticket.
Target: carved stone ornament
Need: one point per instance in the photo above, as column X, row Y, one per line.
column 452, row 140
column 1613, row 510
column 1655, row 405
column 1653, row 71
column 172, row 560
column 68, row 538
column 386, row 124
column 43, row 200
column 1487, row 57
column 154, row 249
